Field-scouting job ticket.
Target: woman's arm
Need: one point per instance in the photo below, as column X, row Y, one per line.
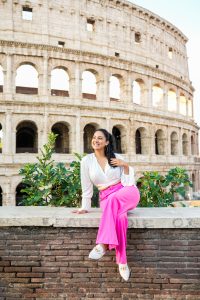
column 127, row 174
column 86, row 185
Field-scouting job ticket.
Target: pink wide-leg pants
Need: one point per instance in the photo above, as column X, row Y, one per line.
column 115, row 201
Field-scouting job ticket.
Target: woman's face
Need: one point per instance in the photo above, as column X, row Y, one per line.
column 99, row 141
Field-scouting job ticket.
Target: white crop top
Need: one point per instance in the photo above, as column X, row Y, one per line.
column 92, row 173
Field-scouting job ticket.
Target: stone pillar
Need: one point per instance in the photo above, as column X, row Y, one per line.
column 43, row 137
column 76, row 88
column 106, row 90
column 7, row 137
column 9, row 84
column 132, row 137
column 78, row 135
column 150, row 100
column 46, row 78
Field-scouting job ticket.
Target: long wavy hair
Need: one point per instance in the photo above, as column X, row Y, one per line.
column 108, row 150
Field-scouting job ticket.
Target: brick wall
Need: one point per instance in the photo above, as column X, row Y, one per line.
column 52, row 263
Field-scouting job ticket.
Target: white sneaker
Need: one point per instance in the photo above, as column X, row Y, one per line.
column 97, row 252
column 124, row 271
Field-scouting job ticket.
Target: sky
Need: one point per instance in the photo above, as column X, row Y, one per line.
column 185, row 15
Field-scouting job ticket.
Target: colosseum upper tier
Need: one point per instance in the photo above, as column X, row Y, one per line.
column 76, row 65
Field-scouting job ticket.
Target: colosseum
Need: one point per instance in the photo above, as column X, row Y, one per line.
column 73, row 66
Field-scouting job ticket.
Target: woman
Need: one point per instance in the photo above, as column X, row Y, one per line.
column 118, row 194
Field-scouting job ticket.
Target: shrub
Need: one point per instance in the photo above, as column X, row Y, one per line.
column 50, row 183
column 157, row 190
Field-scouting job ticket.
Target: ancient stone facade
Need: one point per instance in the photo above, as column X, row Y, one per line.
column 136, row 65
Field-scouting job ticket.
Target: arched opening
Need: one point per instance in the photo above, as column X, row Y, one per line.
column 136, row 92
column 26, row 137
column 174, row 143
column 59, row 82
column 141, row 141
column 1, row 79
column 185, row 144
column 157, row 95
column 193, row 182
column 1, row 196
column 88, row 133
column 159, row 142
column 89, row 85
column 183, row 104
column 62, row 140
column 19, row 194
column 117, row 142
column 192, row 145
column 114, row 87
column 172, row 103
column 138, row 143
column 1, row 137
column 26, row 80
column 190, row 109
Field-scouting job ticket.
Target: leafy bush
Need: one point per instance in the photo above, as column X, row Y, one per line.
column 48, row 183
column 159, row 191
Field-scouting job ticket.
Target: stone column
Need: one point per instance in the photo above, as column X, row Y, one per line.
column 76, row 83
column 44, row 133
column 78, row 135
column 106, row 88
column 9, row 84
column 46, row 78
column 8, row 142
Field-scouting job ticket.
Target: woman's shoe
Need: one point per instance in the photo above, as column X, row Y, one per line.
column 124, row 271
column 97, row 252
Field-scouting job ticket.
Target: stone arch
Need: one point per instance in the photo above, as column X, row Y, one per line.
column 1, row 138
column 157, row 95
column 89, row 84
column 60, row 82
column 141, row 141
column 19, row 194
column 88, row 133
column 26, row 80
column 62, row 143
column 1, row 196
column 160, row 142
column 184, row 144
column 171, row 100
column 174, row 143
column 26, row 137
column 115, row 87
column 119, row 139
column 1, row 79
column 138, row 89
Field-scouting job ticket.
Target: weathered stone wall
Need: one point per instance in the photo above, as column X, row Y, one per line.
column 52, row 263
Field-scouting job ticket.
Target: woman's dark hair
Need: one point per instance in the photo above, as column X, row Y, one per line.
column 109, row 150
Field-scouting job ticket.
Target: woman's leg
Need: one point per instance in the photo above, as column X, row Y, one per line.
column 114, row 223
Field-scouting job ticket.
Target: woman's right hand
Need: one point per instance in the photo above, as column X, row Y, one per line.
column 82, row 211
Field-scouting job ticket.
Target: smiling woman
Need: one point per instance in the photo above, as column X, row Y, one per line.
column 118, row 194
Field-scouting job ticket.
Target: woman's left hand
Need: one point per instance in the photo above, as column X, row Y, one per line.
column 118, row 162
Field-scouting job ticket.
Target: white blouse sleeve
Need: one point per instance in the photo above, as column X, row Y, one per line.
column 86, row 185
column 127, row 179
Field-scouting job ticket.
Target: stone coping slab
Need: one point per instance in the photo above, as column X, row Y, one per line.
column 181, row 217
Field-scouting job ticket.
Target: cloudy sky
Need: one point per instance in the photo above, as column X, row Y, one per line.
column 184, row 14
